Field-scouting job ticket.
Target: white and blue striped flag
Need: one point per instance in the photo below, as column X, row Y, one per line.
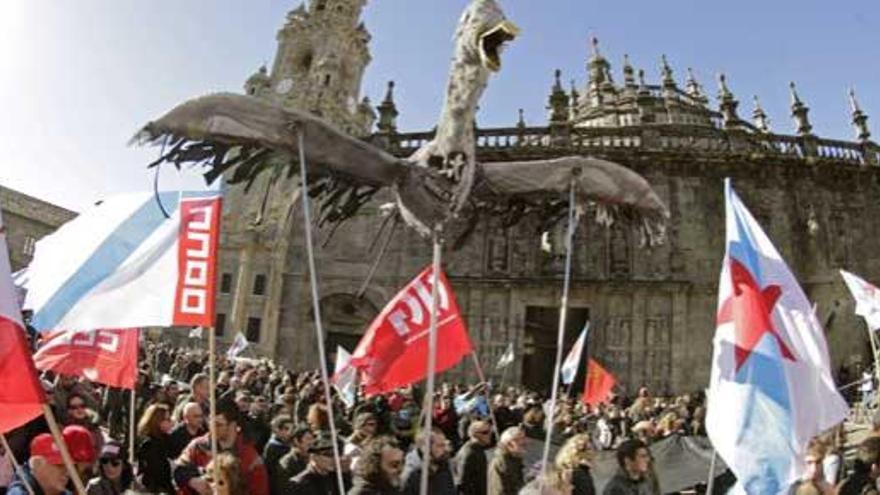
column 570, row 366
column 238, row 345
column 124, row 264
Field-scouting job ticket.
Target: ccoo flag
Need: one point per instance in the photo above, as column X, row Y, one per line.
column 867, row 298
column 393, row 351
column 771, row 389
column 573, row 360
column 109, row 357
column 123, row 264
column 21, row 395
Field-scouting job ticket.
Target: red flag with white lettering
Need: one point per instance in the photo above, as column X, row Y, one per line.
column 393, row 352
column 102, row 356
column 598, row 385
column 21, row 395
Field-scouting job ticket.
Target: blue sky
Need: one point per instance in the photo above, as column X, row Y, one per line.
column 77, row 78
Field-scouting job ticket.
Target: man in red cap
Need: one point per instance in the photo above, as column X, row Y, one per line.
column 81, row 445
column 45, row 472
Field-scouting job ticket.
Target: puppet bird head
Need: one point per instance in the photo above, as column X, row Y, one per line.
column 482, row 33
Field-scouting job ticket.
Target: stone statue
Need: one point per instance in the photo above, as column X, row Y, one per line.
column 440, row 186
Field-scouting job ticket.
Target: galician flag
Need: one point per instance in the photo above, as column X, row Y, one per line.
column 345, row 377
column 570, row 365
column 123, row 264
column 507, row 358
column 867, row 298
column 771, row 389
column 238, row 345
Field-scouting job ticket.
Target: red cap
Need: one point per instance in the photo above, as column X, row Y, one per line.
column 44, row 446
column 80, row 444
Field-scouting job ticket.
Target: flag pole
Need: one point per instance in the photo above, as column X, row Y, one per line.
column 482, row 377
column 316, row 307
column 710, row 483
column 131, row 412
column 212, row 384
column 62, row 446
column 873, row 339
column 432, row 364
column 560, row 339
column 16, row 465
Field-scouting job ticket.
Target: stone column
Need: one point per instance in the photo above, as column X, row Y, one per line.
column 240, row 296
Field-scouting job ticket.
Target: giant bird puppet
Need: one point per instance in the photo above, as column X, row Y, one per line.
column 441, row 186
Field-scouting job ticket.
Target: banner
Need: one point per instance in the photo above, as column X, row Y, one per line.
column 771, row 389
column 123, row 264
column 102, row 356
column 598, row 385
column 393, row 352
column 21, row 395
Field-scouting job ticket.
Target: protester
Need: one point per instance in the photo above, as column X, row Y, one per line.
column 866, row 469
column 634, row 463
column 115, row 474
column 319, row 477
column 379, row 468
column 440, row 480
column 506, row 476
column 279, row 444
column 294, row 462
column 229, row 481
column 192, row 426
column 574, row 460
column 188, row 471
column 78, row 413
column 365, row 426
column 471, row 463
column 813, row 480
column 45, row 472
column 154, row 449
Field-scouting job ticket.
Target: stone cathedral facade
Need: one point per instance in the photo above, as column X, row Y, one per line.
column 651, row 311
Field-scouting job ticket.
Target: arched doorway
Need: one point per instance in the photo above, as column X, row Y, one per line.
column 345, row 319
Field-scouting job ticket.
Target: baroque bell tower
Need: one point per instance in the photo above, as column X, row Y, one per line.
column 323, row 50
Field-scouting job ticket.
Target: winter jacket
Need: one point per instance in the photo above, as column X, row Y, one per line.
column 18, row 486
column 582, row 481
column 440, row 481
column 154, row 468
column 622, row 484
column 471, row 466
column 505, row 475
column 363, row 487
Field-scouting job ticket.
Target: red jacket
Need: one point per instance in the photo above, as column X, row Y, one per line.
column 197, row 455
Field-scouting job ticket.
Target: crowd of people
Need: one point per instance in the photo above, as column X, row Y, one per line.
column 274, row 437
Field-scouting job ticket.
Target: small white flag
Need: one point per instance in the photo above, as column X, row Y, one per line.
column 506, row 358
column 195, row 333
column 570, row 366
column 867, row 298
column 345, row 377
column 238, row 345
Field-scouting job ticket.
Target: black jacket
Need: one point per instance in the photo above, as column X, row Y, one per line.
column 582, row 480
column 470, row 468
column 180, row 438
column 622, row 484
column 310, row 482
column 363, row 487
column 440, row 481
column 154, row 470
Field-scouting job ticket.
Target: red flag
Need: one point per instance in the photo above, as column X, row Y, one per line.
column 598, row 385
column 103, row 356
column 21, row 395
column 393, row 352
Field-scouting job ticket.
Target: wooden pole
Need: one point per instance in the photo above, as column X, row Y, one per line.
column 482, row 377
column 316, row 308
column 17, row 466
column 432, row 364
column 132, row 413
column 62, row 446
column 560, row 339
column 212, row 381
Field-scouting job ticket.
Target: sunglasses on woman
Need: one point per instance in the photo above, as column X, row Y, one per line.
column 111, row 462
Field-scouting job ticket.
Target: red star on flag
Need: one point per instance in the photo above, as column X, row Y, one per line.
column 750, row 308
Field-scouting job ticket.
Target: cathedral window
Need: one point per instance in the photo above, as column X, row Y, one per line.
column 260, row 285
column 320, row 5
column 226, row 283
column 327, row 80
column 220, row 324
column 28, row 248
column 253, row 329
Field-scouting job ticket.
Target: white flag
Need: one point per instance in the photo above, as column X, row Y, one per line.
column 570, row 366
column 506, row 358
column 867, row 298
column 195, row 333
column 345, row 377
column 238, row 345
